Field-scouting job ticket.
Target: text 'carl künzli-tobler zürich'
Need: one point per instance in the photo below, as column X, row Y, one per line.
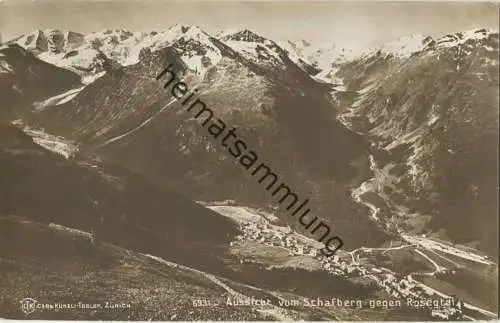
column 250, row 161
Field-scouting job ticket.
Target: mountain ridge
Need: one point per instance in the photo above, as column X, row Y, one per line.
column 277, row 84
column 395, row 148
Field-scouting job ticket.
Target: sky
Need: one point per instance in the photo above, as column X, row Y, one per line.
column 370, row 22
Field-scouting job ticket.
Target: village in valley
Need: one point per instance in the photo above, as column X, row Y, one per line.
column 401, row 289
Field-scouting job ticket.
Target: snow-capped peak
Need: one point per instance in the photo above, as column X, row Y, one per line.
column 194, row 32
column 458, row 38
column 245, row 35
column 406, row 46
column 88, row 55
column 125, row 46
column 254, row 47
column 323, row 55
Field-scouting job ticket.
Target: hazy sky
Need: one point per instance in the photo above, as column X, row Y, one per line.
column 369, row 23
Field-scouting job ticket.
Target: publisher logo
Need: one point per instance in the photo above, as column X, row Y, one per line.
column 28, row 305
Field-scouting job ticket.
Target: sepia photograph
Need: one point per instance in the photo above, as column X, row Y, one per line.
column 261, row 160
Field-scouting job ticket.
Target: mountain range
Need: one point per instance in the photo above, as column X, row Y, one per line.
column 389, row 143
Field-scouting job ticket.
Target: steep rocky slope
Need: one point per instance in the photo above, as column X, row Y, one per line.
column 101, row 234
column 126, row 117
column 432, row 118
column 25, row 79
column 121, row 207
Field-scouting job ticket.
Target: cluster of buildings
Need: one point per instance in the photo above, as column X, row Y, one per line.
column 265, row 234
column 398, row 286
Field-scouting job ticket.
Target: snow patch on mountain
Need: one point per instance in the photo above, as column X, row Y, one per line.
column 58, row 99
column 5, row 68
column 460, row 38
column 90, row 78
column 56, row 144
column 405, row 46
column 81, row 61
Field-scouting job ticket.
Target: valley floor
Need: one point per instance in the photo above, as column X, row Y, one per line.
column 398, row 285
